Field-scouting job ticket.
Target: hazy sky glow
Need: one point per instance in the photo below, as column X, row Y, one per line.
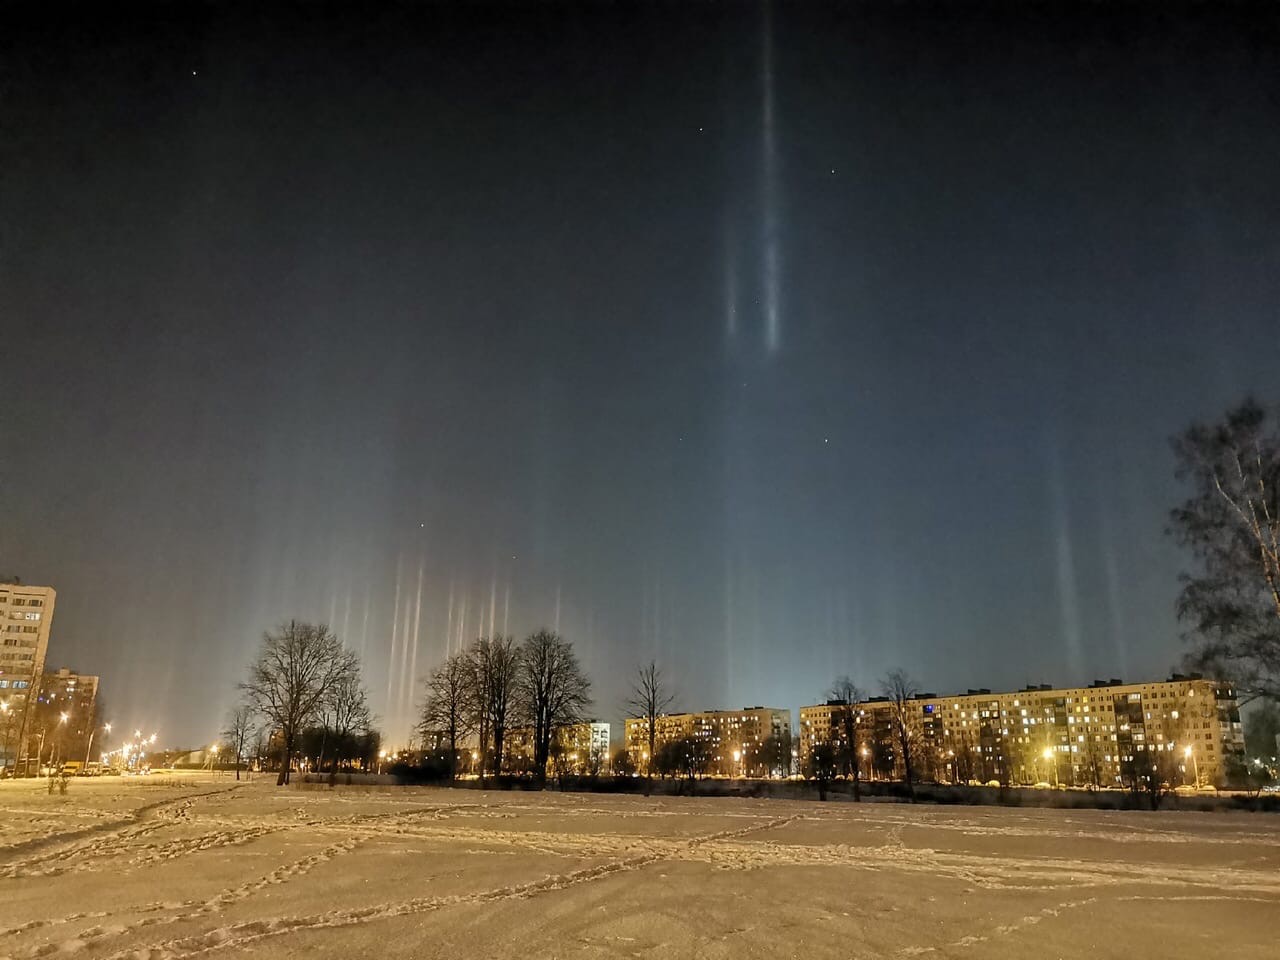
column 774, row 344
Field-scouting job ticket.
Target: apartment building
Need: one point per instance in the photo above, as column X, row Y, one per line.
column 73, row 696
column 26, row 613
column 734, row 740
column 1187, row 725
column 579, row 746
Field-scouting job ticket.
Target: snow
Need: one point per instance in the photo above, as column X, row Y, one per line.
column 167, row 868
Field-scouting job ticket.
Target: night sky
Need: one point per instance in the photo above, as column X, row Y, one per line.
column 774, row 344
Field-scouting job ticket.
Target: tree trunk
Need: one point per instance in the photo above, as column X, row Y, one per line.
column 283, row 779
column 648, row 766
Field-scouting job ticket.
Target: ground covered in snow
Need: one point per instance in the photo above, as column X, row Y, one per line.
column 187, row 867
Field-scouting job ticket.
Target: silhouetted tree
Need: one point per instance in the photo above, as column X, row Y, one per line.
column 492, row 665
column 622, row 765
column 1231, row 524
column 822, row 766
column 448, row 706
column 553, row 691
column 1150, row 773
column 902, row 691
column 347, row 708
column 1262, row 730
column 649, row 700
column 287, row 683
column 846, row 691
column 239, row 731
column 773, row 754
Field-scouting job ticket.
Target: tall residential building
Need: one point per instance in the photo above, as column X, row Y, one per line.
column 1095, row 735
column 26, row 613
column 579, row 746
column 75, row 696
column 735, row 740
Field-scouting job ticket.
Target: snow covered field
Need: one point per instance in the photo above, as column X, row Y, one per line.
column 182, row 868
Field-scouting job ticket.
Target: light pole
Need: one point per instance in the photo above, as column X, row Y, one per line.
column 737, row 755
column 1048, row 755
column 55, row 756
column 106, row 727
column 1188, row 752
column 7, row 720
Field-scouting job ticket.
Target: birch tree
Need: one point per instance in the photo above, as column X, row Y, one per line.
column 1231, row 525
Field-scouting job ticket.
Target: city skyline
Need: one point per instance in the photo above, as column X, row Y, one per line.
column 774, row 342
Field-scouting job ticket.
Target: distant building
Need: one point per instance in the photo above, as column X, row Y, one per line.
column 76, row 696
column 1076, row 736
column 735, row 740
column 578, row 748
column 26, row 613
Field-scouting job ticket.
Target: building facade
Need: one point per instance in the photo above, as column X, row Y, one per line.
column 1187, row 726
column 578, row 749
column 73, row 696
column 733, row 743
column 26, row 614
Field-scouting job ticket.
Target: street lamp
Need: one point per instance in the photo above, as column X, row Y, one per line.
column 106, row 727
column 1048, row 755
column 1188, row 752
column 737, row 755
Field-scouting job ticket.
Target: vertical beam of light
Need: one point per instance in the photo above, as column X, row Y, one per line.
column 411, row 678
column 395, row 628
column 448, row 625
column 493, row 604
column 462, row 622
column 730, row 286
column 346, row 618
column 404, row 657
column 769, row 189
column 1111, row 569
column 557, row 626
column 730, row 628
column 1068, row 593
column 364, row 628
column 506, row 608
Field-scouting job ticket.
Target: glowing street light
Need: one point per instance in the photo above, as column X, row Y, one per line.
column 89, row 748
column 1048, row 755
column 1188, row 752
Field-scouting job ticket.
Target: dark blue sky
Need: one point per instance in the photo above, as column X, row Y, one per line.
column 774, row 345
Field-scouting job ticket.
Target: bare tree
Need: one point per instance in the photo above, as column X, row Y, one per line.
column 822, row 766
column 902, row 691
column 649, row 699
column 492, row 667
column 553, row 691
column 240, row 729
column 847, row 692
column 448, row 707
column 287, row 683
column 347, row 707
column 1231, row 524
